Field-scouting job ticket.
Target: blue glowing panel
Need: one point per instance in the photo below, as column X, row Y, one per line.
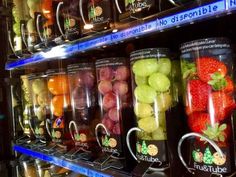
column 60, row 162
column 134, row 31
column 191, row 15
column 22, row 62
column 72, row 48
column 94, row 43
column 231, row 4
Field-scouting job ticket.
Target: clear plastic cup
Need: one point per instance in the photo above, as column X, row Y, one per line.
column 59, row 98
column 114, row 97
column 207, row 74
column 152, row 100
column 82, row 84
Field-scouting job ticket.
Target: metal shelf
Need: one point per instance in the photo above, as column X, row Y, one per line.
column 182, row 17
column 80, row 167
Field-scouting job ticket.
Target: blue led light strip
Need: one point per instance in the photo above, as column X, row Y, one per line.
column 60, row 162
column 192, row 15
column 184, row 17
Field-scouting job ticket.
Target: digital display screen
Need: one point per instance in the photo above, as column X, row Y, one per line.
column 231, row 4
column 134, row 31
column 191, row 15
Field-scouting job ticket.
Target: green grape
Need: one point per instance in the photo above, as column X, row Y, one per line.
column 145, row 94
column 40, row 112
column 148, row 124
column 16, row 29
column 144, row 135
column 38, row 85
column 163, row 102
column 143, row 110
column 145, row 67
column 159, row 134
column 33, row 4
column 15, row 14
column 30, row 26
column 159, row 82
column 139, row 80
column 165, row 66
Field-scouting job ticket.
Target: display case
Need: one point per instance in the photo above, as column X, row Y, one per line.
column 161, row 69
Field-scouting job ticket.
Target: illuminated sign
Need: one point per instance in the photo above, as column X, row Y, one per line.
column 100, row 41
column 61, row 162
column 231, row 4
column 191, row 15
column 134, row 31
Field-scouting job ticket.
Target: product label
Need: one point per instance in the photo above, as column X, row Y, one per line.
column 99, row 12
column 113, row 62
column 148, row 54
column 40, row 131
column 71, row 26
column 58, row 130
column 151, row 151
column 74, row 68
column 111, row 144
column 206, row 159
column 135, row 6
column 48, row 32
column 210, row 43
column 81, row 140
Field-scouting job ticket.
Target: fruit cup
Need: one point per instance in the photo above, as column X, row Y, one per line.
column 136, row 9
column 152, row 99
column 83, row 103
column 24, row 118
column 207, row 74
column 114, row 96
column 59, row 98
column 96, row 15
column 28, row 26
column 69, row 11
column 46, row 23
column 40, row 102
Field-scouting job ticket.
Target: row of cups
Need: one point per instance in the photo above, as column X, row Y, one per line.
column 149, row 89
column 46, row 23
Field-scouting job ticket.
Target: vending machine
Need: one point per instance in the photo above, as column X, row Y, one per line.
column 120, row 88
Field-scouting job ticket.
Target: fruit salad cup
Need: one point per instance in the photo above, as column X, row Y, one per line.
column 96, row 15
column 69, row 11
column 82, row 83
column 40, row 102
column 24, row 118
column 28, row 26
column 59, row 96
column 114, row 96
column 152, row 99
column 46, row 23
column 135, row 9
column 207, row 73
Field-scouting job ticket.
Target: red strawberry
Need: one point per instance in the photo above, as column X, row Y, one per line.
column 206, row 66
column 229, row 85
column 197, row 95
column 198, row 121
column 220, row 105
